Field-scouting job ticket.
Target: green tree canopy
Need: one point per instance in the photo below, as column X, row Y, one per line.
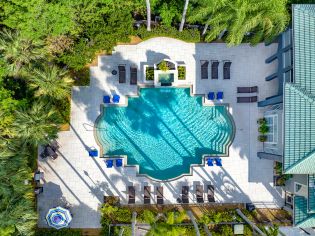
column 37, row 19
column 51, row 82
column 37, row 125
column 256, row 20
column 17, row 213
column 18, row 51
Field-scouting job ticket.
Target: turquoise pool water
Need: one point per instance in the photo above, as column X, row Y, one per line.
column 166, row 78
column 164, row 131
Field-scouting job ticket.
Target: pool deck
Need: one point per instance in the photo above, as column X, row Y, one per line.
column 80, row 182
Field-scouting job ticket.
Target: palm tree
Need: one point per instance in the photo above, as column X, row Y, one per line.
column 18, row 51
column 204, row 10
column 181, row 26
column 147, row 2
column 167, row 228
column 271, row 231
column 51, row 82
column 17, row 209
column 38, row 125
column 258, row 19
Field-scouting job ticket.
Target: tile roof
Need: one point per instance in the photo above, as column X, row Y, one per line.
column 299, row 113
column 302, row 218
column 299, row 118
column 311, row 193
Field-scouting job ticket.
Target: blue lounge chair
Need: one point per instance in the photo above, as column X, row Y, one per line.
column 109, row 163
column 116, row 98
column 211, row 96
column 210, row 162
column 106, row 99
column 219, row 95
column 119, row 162
column 218, row 161
column 93, row 153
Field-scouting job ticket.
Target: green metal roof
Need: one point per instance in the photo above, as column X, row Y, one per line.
column 299, row 141
column 301, row 217
column 311, row 193
column 299, row 98
column 299, row 113
column 304, row 45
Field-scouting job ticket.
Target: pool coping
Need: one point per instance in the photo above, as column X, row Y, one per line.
column 125, row 157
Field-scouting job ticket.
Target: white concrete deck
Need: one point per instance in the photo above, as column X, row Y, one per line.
column 81, row 182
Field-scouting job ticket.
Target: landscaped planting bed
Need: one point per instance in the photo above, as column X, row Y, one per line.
column 181, row 72
column 149, row 73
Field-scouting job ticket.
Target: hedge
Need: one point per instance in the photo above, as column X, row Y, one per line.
column 188, row 35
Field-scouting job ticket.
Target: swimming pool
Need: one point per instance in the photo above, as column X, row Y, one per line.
column 164, row 131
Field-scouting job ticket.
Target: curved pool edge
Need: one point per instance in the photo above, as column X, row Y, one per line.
column 227, row 145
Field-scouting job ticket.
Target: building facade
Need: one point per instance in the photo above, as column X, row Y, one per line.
column 291, row 114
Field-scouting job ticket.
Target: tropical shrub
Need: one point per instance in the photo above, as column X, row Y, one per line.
column 163, row 66
column 57, row 45
column 220, row 216
column 149, row 73
column 166, row 229
column 271, row 230
column 81, row 54
column 222, row 230
column 181, row 72
column 278, row 168
column 147, row 216
column 116, row 230
column 63, row 107
column 111, row 212
column 81, row 77
column 60, row 232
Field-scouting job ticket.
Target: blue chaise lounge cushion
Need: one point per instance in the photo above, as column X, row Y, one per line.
column 109, row 163
column 210, row 162
column 106, row 99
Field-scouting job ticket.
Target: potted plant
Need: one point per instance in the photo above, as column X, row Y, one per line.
column 263, row 129
column 280, row 180
column 262, row 138
column 261, row 121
